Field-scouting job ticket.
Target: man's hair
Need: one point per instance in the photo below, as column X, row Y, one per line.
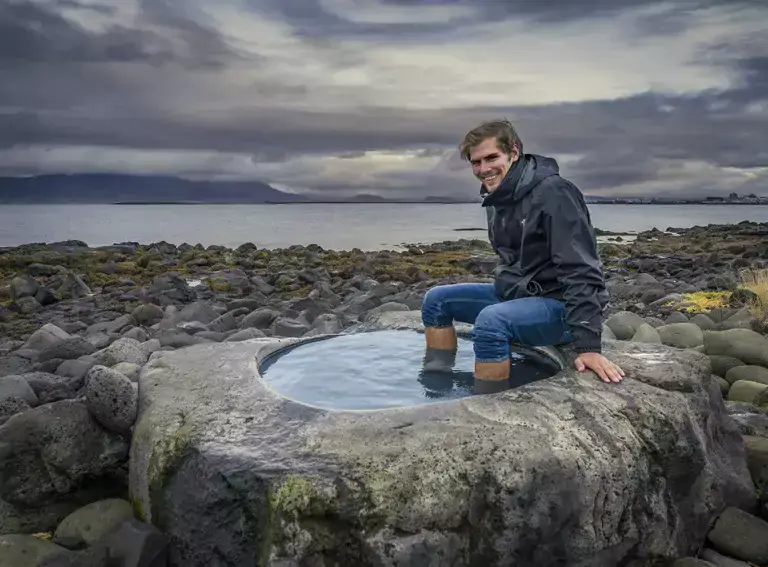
column 505, row 134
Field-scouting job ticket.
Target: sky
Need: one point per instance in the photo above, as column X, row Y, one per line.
column 349, row 97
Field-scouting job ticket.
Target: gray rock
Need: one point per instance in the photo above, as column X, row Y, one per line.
column 646, row 334
column 122, row 350
column 259, row 319
column 691, row 562
column 223, row 323
column 147, row 314
column 326, row 324
column 38, row 519
column 746, row 345
column 130, row 544
column 742, row 319
column 26, row 305
column 751, row 422
column 652, row 460
column 723, row 383
column 722, row 364
column 757, row 458
column 19, row 550
column 748, row 372
column 51, row 451
column 136, row 333
column 36, row 270
column 285, row 327
column 178, row 339
column 17, row 387
column 681, row 335
column 624, row 324
column 245, row 334
column 199, row 311
column 703, row 322
column 73, row 287
column 741, row 535
column 23, row 286
column 745, row 391
column 214, row 336
column 99, row 340
column 14, row 365
column 654, row 322
column 120, row 324
column 718, row 560
column 129, row 370
column 384, row 308
column 68, row 349
column 10, row 406
column 172, row 287
column 111, row 399
column 675, row 317
column 76, row 369
column 607, row 333
column 45, row 337
column 52, row 387
column 262, row 286
column 28, row 353
column 87, row 525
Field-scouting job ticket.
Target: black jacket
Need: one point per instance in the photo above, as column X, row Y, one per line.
column 539, row 225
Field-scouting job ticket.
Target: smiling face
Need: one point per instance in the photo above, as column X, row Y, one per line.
column 490, row 164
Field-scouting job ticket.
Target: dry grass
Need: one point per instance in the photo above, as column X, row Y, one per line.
column 756, row 281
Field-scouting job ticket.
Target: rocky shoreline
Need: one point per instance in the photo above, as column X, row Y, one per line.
column 78, row 324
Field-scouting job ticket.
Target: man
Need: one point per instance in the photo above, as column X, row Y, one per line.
column 548, row 288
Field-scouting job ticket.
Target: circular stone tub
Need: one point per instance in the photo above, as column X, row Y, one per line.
column 383, row 369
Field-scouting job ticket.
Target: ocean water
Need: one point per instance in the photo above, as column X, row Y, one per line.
column 332, row 226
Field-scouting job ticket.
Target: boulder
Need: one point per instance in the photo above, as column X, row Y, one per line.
column 624, row 324
column 18, row 550
column 741, row 535
column 746, row 345
column 49, row 452
column 681, row 335
column 748, row 372
column 87, row 525
column 646, row 334
column 567, row 471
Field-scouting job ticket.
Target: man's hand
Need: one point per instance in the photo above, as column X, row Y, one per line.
column 607, row 370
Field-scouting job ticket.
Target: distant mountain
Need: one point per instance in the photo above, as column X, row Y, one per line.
column 112, row 188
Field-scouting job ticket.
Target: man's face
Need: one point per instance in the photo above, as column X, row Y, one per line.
column 490, row 164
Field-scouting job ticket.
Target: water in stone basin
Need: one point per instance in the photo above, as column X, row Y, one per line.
column 379, row 369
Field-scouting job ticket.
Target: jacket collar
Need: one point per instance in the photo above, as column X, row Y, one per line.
column 506, row 190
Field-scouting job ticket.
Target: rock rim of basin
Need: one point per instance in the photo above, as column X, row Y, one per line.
column 566, row 471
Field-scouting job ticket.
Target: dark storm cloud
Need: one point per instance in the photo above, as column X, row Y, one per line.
column 310, row 19
column 34, row 33
column 64, row 100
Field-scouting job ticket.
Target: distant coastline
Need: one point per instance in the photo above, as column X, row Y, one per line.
column 588, row 201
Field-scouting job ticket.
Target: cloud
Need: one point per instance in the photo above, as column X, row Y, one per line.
column 374, row 96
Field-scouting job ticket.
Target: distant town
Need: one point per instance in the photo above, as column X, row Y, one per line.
column 732, row 199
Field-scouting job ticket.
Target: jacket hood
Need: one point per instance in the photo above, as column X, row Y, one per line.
column 520, row 180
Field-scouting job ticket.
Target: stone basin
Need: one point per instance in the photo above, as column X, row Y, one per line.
column 382, row 369
column 566, row 471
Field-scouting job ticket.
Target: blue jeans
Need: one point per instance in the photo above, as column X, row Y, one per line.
column 529, row 321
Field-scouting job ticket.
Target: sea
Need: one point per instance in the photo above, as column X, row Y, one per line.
column 367, row 227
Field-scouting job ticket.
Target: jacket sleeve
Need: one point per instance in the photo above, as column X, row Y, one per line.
column 574, row 253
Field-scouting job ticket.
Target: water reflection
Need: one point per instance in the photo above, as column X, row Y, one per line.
column 380, row 369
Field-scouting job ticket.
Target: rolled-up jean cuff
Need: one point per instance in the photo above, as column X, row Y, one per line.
column 491, row 359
